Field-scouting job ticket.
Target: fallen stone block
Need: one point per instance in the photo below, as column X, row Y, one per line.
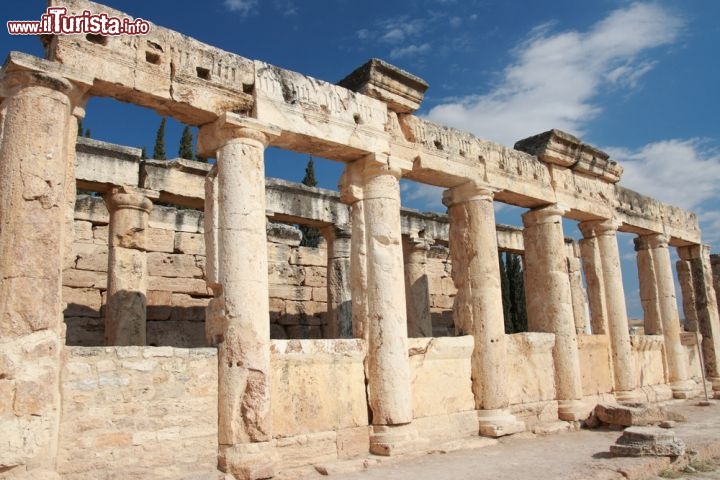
column 633, row 415
column 647, row 441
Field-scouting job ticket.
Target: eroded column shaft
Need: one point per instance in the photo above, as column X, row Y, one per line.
column 604, row 233
column 597, row 301
column 657, row 294
column 549, row 302
column 339, row 297
column 36, row 117
column 126, row 308
column 700, row 304
column 417, row 290
column 577, row 290
column 389, row 368
column 241, row 308
column 478, row 309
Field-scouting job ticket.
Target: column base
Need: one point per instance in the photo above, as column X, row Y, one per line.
column 389, row 440
column 573, row 410
column 684, row 389
column 498, row 422
column 248, row 461
column 629, row 396
column 715, row 384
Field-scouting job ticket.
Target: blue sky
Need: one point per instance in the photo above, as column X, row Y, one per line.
column 637, row 79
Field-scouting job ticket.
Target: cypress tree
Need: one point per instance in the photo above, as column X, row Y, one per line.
column 517, row 293
column 505, row 286
column 143, row 153
column 80, row 127
column 310, row 235
column 159, row 148
column 186, row 144
column 87, row 133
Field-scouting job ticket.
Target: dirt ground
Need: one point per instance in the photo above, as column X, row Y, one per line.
column 570, row 455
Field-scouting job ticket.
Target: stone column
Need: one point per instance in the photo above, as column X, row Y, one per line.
column 478, row 308
column 577, row 290
column 372, row 187
column 715, row 265
column 592, row 267
column 244, row 415
column 126, row 307
column 339, row 298
column 657, row 294
column 700, row 305
column 36, row 116
column 549, row 303
column 601, row 237
column 417, row 291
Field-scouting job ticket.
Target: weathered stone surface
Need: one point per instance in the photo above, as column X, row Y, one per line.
column 530, row 359
column 628, row 415
column 440, row 375
column 102, row 165
column 402, row 91
column 596, row 369
column 130, row 409
column 643, row 441
column 318, row 384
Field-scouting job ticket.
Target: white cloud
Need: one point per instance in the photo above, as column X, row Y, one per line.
column 422, row 197
column 243, row 7
column 555, row 76
column 409, row 50
column 286, row 8
column 679, row 172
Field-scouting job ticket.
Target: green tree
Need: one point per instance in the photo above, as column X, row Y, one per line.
column 80, row 127
column 186, row 144
column 143, row 153
column 310, row 235
column 505, row 287
column 88, row 134
column 517, row 292
column 159, row 148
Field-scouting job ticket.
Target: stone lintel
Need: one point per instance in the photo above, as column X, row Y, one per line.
column 402, row 91
column 560, row 148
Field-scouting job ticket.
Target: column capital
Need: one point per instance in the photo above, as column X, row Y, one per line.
column 548, row 214
column 650, row 241
column 231, row 126
column 131, row 198
column 468, row 192
column 22, row 71
column 417, row 243
column 363, row 173
column 595, row 228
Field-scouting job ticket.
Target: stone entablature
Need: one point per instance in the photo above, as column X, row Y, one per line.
column 243, row 106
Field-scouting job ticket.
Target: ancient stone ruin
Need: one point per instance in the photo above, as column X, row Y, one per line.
column 141, row 340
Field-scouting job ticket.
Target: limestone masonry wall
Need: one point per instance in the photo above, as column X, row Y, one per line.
column 138, row 412
column 177, row 294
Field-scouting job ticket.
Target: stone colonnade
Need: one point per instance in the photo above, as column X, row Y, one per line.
column 36, row 167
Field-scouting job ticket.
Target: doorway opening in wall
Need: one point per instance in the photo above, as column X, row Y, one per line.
column 117, row 143
column 304, row 207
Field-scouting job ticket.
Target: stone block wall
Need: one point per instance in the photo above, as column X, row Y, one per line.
column 442, row 290
column 138, row 412
column 318, row 400
column 594, row 351
column 648, row 359
column 177, row 294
